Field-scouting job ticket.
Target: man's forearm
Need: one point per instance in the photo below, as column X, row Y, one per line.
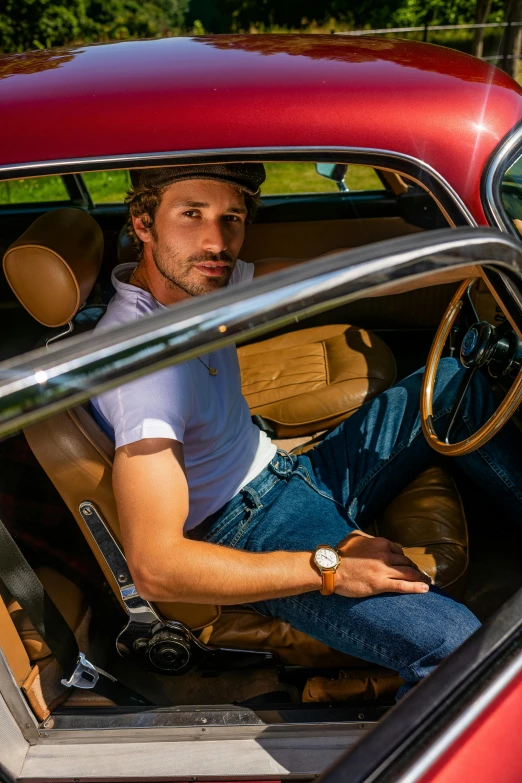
column 198, row 572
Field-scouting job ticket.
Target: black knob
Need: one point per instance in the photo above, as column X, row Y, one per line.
column 169, row 651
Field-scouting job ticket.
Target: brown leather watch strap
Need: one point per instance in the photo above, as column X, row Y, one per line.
column 328, row 576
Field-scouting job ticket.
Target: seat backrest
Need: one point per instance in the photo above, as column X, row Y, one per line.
column 57, row 259
column 77, row 456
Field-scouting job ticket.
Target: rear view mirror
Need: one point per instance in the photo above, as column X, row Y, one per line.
column 334, row 171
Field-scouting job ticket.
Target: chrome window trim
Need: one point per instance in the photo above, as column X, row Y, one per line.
column 76, row 165
column 40, row 383
column 463, row 722
column 495, row 168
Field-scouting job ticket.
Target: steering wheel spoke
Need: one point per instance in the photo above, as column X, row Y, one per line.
column 458, row 401
column 468, row 308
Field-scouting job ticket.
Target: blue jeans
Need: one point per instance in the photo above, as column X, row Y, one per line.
column 298, row 502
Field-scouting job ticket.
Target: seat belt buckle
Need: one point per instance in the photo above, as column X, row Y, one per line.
column 85, row 675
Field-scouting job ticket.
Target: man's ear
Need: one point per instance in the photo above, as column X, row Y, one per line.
column 140, row 227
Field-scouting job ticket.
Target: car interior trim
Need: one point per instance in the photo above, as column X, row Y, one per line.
column 40, row 383
column 179, row 724
column 407, row 164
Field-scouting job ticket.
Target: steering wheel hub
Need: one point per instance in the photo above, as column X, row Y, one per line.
column 476, row 345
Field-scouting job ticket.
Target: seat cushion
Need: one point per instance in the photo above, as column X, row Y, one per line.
column 312, row 379
column 426, row 518
column 428, row 521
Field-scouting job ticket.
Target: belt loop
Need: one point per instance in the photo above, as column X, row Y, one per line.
column 282, row 464
column 251, row 497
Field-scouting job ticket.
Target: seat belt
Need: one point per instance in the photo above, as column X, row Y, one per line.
column 24, row 585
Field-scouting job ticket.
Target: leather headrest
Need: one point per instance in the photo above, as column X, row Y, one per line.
column 53, row 266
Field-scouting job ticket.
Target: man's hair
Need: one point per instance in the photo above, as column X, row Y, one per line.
column 143, row 201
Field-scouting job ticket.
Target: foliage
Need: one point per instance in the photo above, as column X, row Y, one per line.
column 221, row 16
column 41, row 24
column 37, row 24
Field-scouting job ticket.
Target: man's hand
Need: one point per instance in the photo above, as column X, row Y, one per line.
column 372, row 565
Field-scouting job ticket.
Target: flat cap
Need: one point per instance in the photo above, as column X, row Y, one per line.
column 247, row 176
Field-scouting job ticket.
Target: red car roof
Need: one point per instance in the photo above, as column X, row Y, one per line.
column 214, row 92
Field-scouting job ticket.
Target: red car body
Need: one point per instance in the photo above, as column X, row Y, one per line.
column 440, row 106
column 245, row 94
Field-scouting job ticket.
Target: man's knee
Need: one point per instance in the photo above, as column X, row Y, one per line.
column 452, row 625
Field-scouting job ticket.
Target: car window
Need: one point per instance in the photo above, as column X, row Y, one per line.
column 511, row 193
column 33, row 191
column 107, row 187
column 287, row 178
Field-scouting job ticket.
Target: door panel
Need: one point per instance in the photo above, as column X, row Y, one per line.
column 313, row 238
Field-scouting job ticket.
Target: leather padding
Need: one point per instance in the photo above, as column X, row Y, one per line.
column 428, row 520
column 312, row 379
column 77, row 456
column 53, row 266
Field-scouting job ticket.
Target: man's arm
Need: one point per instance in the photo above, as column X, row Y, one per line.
column 151, row 493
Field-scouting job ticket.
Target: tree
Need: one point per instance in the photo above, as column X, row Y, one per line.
column 41, row 24
column 482, row 12
column 513, row 39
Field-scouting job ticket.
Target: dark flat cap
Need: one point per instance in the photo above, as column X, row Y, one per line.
column 247, row 176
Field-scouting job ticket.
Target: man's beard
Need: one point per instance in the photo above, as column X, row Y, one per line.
column 177, row 272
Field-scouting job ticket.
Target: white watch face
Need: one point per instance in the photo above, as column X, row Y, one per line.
column 326, row 558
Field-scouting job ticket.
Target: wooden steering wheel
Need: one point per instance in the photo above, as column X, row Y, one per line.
column 483, row 344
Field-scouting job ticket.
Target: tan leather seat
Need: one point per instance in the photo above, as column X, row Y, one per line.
column 77, row 457
column 312, row 379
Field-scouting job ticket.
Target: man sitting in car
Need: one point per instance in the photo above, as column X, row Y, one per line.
column 212, row 512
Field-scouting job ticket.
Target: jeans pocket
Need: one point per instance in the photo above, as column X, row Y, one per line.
column 228, row 531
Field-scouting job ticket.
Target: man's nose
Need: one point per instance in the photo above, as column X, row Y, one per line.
column 214, row 240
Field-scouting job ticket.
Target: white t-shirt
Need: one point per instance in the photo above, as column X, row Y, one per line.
column 223, row 449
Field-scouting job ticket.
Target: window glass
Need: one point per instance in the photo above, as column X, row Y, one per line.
column 281, row 178
column 107, row 187
column 286, row 178
column 33, row 190
column 511, row 193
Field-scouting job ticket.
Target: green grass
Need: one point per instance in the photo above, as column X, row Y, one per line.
column 107, row 187
column 30, row 191
column 302, row 178
column 110, row 187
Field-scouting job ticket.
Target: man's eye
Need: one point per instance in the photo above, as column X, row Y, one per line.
column 233, row 218
column 191, row 213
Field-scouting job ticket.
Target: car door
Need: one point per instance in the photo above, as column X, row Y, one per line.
column 39, row 384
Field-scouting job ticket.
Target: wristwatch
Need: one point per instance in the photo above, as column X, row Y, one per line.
column 327, row 560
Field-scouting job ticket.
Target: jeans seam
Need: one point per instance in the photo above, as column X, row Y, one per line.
column 242, row 529
column 384, row 462
column 305, row 476
column 226, row 521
